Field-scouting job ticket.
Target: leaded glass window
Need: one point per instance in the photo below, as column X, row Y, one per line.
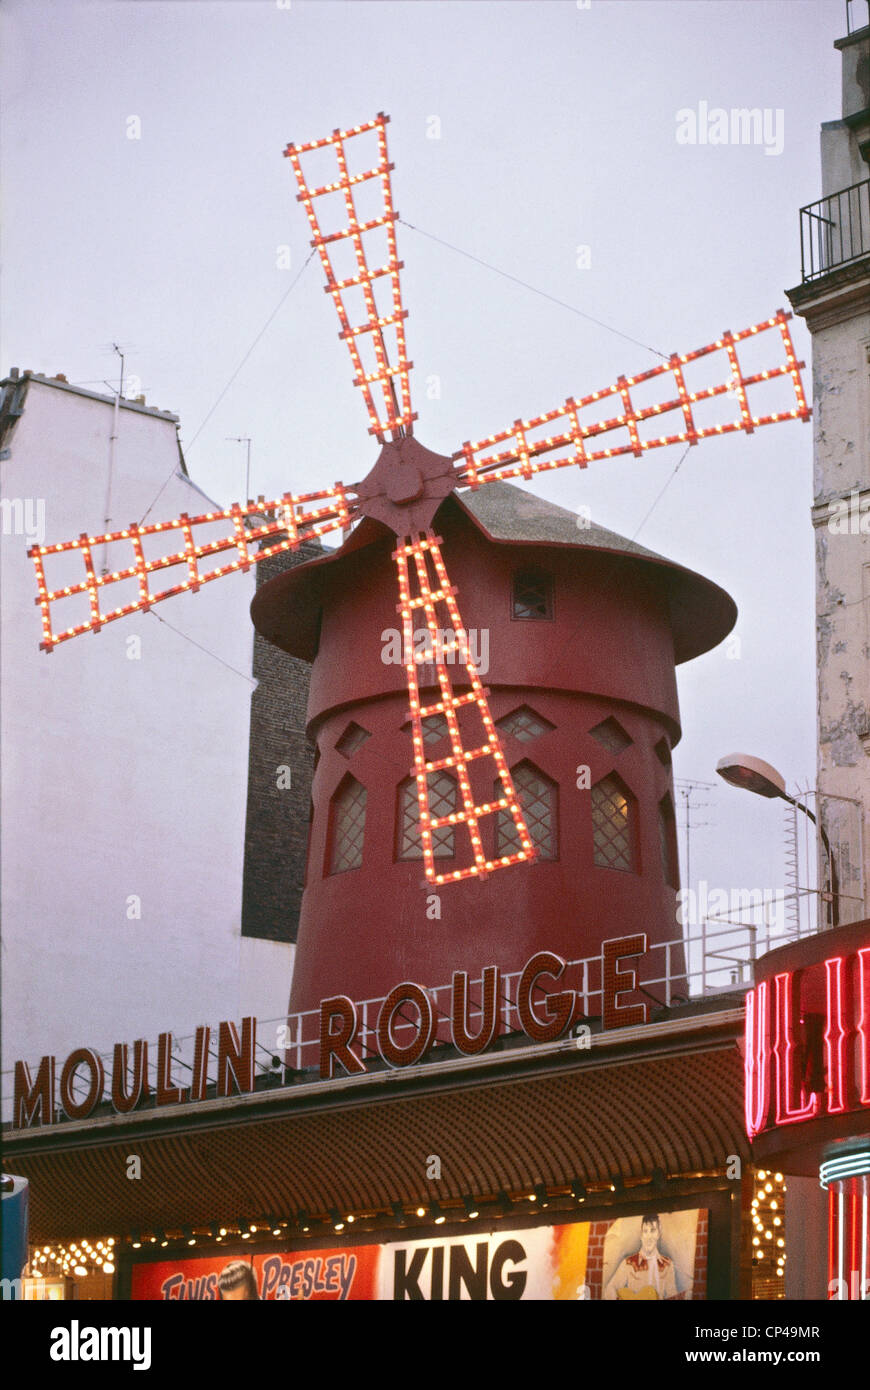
column 434, row 728
column 353, row 738
column 442, row 802
column 348, row 826
column 613, row 825
column 537, row 798
column 611, row 735
column 524, row 724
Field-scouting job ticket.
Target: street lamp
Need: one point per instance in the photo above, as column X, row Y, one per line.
column 755, row 775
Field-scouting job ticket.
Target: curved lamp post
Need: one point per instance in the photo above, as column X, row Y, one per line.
column 754, row 775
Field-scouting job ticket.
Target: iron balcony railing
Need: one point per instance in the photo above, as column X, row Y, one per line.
column 835, row 230
column 857, row 15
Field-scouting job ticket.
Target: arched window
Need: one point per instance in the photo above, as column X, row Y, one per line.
column 668, row 838
column 537, row 797
column 347, row 826
column 442, row 802
column 614, row 825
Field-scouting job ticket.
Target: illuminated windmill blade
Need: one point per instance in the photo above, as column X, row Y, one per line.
column 423, row 591
column 356, row 293
column 290, row 519
column 533, row 446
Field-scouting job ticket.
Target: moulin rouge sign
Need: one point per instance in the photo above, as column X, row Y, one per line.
column 808, row 1043
column 543, row 1019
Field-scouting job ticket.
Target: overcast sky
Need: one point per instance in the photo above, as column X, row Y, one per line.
column 557, row 129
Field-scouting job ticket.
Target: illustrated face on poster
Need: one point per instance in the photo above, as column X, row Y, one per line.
column 643, row 1258
column 650, row 1256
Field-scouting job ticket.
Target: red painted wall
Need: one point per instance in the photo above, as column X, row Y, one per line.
column 610, row 634
column 608, row 650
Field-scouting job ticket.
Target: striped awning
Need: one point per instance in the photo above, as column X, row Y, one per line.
column 587, row 1116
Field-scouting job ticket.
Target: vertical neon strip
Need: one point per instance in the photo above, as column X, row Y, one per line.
column 841, row 1242
column 864, row 1021
column 865, row 1239
column 832, row 1248
column 835, row 1037
column 784, row 1055
column 756, row 1064
column 854, row 1258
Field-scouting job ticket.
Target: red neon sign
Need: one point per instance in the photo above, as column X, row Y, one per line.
column 864, row 1021
column 757, row 1088
column 791, row 1107
column 800, row 1062
column 836, row 1035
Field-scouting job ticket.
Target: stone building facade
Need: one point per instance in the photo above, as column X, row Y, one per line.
column 280, row 766
column 834, row 298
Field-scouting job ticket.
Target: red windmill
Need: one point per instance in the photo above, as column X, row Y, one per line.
column 408, row 483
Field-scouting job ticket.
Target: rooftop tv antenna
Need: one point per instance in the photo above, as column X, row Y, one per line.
column 687, row 789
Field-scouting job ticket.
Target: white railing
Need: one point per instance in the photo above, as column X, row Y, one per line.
column 714, row 957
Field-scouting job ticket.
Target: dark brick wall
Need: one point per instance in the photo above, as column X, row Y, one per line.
column 276, row 827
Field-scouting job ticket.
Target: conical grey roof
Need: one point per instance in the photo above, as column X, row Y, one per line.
column 285, row 610
column 509, row 513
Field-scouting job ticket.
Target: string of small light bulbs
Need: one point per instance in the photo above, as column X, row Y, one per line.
column 78, row 1259
column 768, row 1222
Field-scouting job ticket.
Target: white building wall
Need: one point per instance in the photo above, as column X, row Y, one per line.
column 266, row 973
column 837, row 310
column 120, row 776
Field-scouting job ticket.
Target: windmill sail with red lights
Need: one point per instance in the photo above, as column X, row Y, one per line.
column 408, row 482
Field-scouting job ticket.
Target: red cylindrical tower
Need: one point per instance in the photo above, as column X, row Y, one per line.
column 576, row 633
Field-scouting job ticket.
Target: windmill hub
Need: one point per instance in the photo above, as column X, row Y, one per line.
column 406, row 486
